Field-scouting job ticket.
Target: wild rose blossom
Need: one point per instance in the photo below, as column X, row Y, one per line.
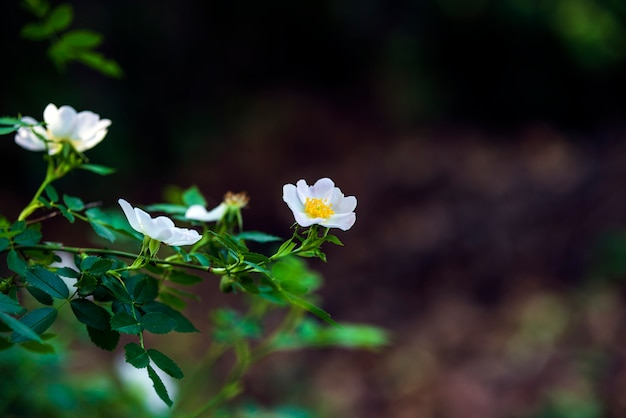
column 231, row 200
column 160, row 228
column 322, row 204
column 83, row 130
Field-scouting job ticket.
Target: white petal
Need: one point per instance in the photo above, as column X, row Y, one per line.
column 60, row 122
column 130, row 215
column 304, row 220
column 290, row 197
column 343, row 221
column 323, row 188
column 345, row 205
column 183, row 236
column 199, row 213
column 26, row 139
column 303, row 190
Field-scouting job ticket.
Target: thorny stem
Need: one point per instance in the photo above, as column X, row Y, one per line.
column 77, row 250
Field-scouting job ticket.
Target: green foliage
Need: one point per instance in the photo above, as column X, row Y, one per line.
column 138, row 291
column 67, row 45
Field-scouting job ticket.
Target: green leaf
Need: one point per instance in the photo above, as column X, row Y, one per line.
column 202, row 259
column 257, row 236
column 91, row 314
column 51, row 192
column 103, row 231
column 61, row 17
column 38, row 7
column 41, row 296
column 5, row 343
column 172, row 300
column 73, row 203
column 105, row 339
column 159, row 387
column 168, row 208
column 125, row 323
column 96, row 266
column 66, row 213
column 119, row 292
column 36, row 31
column 136, row 356
column 97, row 169
column 10, row 305
column 165, row 363
column 99, row 63
column 81, row 38
column 16, row 263
column 8, row 129
column 333, row 239
column 285, row 248
column 184, row 278
column 193, row 196
column 37, row 320
column 47, row 281
column 144, row 290
column 19, row 328
column 67, row 272
column 37, row 347
column 9, row 120
column 247, row 284
column 4, row 244
column 182, row 323
column 158, row 322
column 28, row 237
column 87, row 285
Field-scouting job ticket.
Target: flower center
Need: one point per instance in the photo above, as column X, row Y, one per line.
column 317, row 208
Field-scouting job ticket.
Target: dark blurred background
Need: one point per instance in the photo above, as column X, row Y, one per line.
column 484, row 140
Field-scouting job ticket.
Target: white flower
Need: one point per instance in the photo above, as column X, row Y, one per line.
column 199, row 213
column 160, row 228
column 234, row 201
column 83, row 130
column 321, row 204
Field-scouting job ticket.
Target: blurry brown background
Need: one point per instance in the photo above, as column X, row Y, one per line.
column 484, row 141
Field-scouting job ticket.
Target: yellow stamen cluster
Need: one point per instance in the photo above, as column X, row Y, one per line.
column 318, row 208
column 236, row 199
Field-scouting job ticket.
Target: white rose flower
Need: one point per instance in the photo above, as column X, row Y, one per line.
column 83, row 130
column 160, row 228
column 322, row 204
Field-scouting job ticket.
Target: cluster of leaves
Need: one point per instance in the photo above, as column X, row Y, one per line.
column 67, row 45
column 112, row 296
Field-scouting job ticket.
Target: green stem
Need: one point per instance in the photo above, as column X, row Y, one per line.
column 76, row 250
column 35, row 203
